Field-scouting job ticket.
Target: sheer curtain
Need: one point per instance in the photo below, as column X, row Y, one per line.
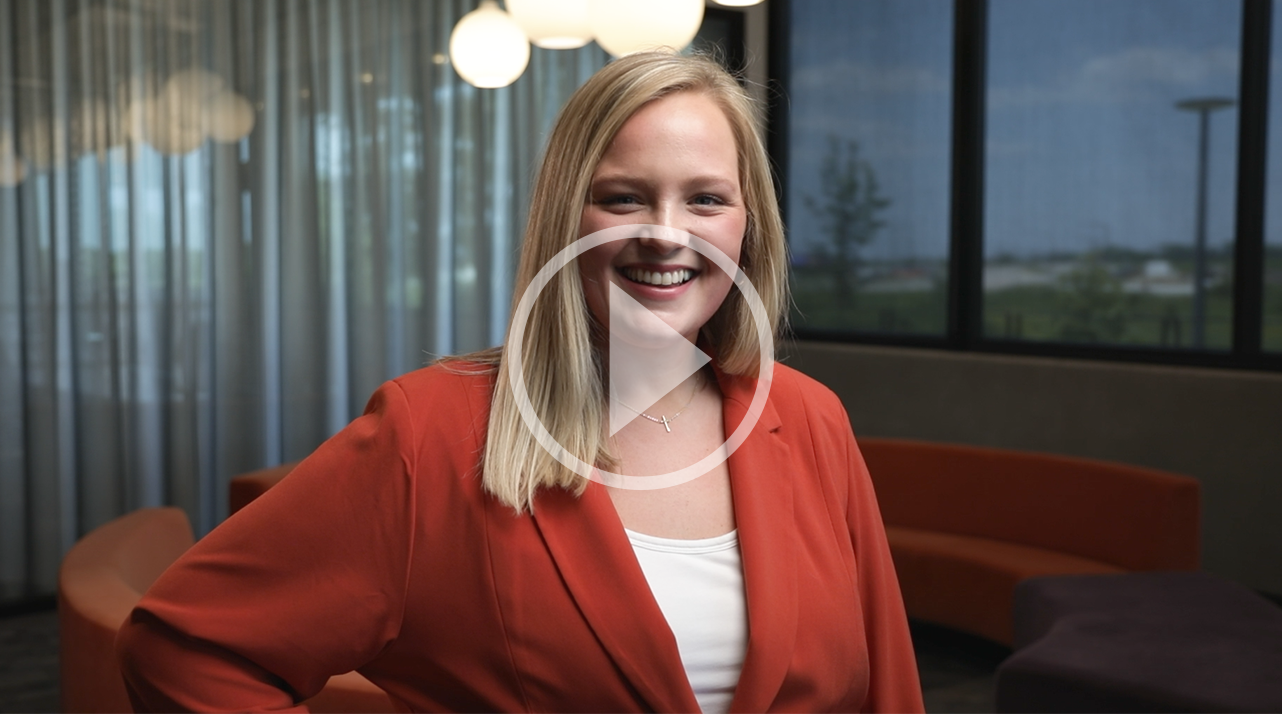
column 222, row 224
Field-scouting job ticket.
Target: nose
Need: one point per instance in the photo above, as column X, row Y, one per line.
column 662, row 239
column 666, row 236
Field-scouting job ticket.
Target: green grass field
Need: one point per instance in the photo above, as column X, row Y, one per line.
column 1032, row 313
column 1086, row 307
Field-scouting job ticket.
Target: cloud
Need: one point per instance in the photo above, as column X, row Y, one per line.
column 1136, row 74
column 870, row 78
column 1149, row 66
column 999, row 148
column 896, row 111
column 879, row 137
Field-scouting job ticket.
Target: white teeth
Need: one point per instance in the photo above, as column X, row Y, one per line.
column 674, row 277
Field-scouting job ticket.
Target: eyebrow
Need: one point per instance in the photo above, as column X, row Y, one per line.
column 619, row 179
column 625, row 180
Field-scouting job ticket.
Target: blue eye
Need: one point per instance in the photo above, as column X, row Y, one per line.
column 622, row 200
column 708, row 200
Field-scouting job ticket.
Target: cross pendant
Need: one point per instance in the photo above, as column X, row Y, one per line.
column 665, row 423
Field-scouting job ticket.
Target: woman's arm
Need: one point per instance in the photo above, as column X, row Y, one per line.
column 306, row 582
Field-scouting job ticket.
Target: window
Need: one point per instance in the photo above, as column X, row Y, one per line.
column 1110, row 170
column 1059, row 177
column 868, row 157
column 1273, row 215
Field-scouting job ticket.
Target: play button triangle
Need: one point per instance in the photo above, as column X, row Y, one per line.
column 648, row 359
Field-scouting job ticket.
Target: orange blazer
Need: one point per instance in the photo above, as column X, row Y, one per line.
column 381, row 553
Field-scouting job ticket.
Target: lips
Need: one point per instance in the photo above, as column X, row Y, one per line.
column 658, row 278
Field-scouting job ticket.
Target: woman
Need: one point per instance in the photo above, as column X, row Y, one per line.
column 436, row 547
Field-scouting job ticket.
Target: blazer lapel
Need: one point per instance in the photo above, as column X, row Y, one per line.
column 761, row 479
column 595, row 559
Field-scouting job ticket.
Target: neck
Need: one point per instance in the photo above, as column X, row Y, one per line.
column 674, row 402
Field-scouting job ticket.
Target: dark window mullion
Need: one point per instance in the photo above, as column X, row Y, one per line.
column 778, row 56
column 966, row 255
column 1248, row 256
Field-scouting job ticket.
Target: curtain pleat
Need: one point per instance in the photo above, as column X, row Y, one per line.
column 181, row 301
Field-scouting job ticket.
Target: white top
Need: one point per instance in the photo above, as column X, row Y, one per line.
column 699, row 587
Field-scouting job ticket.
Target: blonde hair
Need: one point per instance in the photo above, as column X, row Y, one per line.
column 562, row 369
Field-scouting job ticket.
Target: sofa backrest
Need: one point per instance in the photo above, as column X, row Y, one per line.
column 1136, row 518
column 101, row 579
column 246, row 487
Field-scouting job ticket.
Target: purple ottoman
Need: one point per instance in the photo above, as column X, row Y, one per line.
column 1142, row 642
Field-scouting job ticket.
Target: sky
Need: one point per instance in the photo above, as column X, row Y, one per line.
column 1085, row 147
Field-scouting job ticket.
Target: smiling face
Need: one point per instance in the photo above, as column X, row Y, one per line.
column 674, row 163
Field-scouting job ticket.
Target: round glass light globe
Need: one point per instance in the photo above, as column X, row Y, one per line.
column 173, row 123
column 622, row 27
column 12, row 168
column 553, row 24
column 488, row 48
column 38, row 143
column 194, row 85
column 231, row 117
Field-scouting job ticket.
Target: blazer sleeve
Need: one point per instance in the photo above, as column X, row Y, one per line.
column 894, row 685
column 306, row 582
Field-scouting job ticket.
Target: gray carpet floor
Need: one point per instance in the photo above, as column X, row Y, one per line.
column 956, row 669
column 29, row 662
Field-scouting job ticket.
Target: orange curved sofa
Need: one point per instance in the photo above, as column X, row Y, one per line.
column 965, row 524
column 243, row 489
column 101, row 579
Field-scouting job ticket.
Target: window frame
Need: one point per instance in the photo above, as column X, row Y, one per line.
column 964, row 331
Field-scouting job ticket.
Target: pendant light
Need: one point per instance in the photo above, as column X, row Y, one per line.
column 625, row 26
column 12, row 168
column 173, row 121
column 230, row 117
column 488, row 48
column 553, row 24
column 193, row 105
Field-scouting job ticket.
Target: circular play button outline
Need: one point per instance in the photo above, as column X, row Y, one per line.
column 516, row 374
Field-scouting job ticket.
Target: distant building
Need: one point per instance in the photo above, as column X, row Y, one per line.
column 1007, row 276
column 1159, row 277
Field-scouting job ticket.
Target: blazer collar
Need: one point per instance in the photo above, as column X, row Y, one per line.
column 599, row 567
column 761, row 478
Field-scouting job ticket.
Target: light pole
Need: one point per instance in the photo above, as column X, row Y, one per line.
column 1203, row 106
